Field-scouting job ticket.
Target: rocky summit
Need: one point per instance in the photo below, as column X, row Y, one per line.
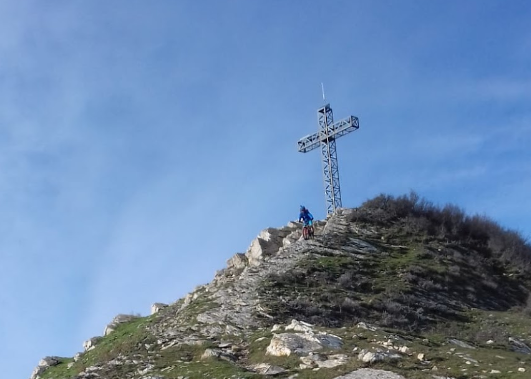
column 396, row 288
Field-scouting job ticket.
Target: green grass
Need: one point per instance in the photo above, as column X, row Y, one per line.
column 128, row 338
column 458, row 292
column 59, row 371
column 185, row 360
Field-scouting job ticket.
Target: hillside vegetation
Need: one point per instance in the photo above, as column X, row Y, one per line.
column 397, row 284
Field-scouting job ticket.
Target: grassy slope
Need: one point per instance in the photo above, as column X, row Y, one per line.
column 425, row 286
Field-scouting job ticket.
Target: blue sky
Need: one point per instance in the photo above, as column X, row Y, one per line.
column 144, row 143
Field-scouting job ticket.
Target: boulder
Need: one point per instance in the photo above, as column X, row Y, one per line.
column 285, row 344
column 459, row 343
column 519, row 346
column 267, row 369
column 237, row 261
column 377, row 356
column 91, row 343
column 356, row 245
column 369, row 373
column 43, row 365
column 317, row 360
column 268, row 243
column 49, row 361
column 211, row 353
column 363, row 325
column 299, row 326
column 329, row 341
column 155, row 308
column 120, row 319
column 189, row 298
column 333, row 361
column 218, row 353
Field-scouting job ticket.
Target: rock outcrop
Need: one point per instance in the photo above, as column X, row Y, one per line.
column 356, row 302
column 368, row 373
column 91, row 343
column 43, row 365
column 156, row 307
column 120, row 319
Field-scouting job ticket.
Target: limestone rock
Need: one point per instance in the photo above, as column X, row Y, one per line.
column 378, row 356
column 329, row 341
column 43, row 365
column 91, row 343
column 268, row 243
column 462, row 344
column 359, row 246
column 317, row 360
column 267, row 369
column 299, row 326
column 237, row 261
column 285, row 344
column 155, row 308
column 119, row 319
column 49, row 361
column 311, row 359
column 187, row 300
column 211, row 353
column 146, row 369
column 369, row 373
column 206, row 318
column 363, row 325
column 519, row 346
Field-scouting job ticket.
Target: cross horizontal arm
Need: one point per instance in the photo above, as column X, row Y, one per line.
column 308, row 143
column 336, row 130
column 341, row 127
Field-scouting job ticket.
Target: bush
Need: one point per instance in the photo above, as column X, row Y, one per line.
column 418, row 216
column 345, row 280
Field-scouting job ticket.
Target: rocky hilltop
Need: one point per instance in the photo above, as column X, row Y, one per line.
column 397, row 288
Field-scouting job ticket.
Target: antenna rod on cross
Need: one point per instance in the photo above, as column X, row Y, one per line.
column 326, row 137
column 322, row 89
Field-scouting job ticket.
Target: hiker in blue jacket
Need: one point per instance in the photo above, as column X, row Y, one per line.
column 305, row 216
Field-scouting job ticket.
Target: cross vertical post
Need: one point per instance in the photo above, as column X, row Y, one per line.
column 326, row 138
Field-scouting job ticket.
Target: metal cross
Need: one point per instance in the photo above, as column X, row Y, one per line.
column 326, row 138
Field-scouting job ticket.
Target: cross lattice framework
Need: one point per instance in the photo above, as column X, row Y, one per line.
column 326, row 137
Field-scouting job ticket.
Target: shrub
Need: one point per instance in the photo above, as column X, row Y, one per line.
column 419, row 216
column 345, row 280
column 350, row 305
column 429, row 285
